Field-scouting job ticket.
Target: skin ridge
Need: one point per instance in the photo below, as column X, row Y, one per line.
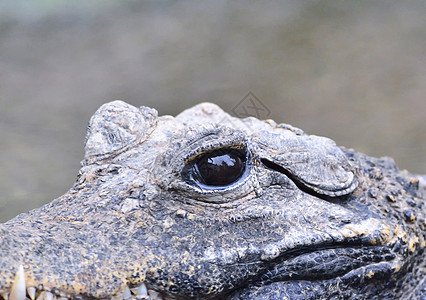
column 381, row 179
column 306, row 220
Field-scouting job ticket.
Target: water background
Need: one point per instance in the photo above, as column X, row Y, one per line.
column 354, row 71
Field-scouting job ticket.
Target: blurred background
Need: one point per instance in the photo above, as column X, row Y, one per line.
column 354, row 71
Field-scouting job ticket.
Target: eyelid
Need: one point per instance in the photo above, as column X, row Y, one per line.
column 198, row 152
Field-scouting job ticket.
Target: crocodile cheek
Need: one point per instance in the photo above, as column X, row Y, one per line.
column 219, row 255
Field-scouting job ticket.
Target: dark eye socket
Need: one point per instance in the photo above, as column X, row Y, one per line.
column 218, row 168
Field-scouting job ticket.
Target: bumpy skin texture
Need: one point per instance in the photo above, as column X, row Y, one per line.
column 306, row 220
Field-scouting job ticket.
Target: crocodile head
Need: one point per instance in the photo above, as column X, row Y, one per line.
column 207, row 206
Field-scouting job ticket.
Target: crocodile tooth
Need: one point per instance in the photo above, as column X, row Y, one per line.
column 31, row 291
column 18, row 291
column 153, row 294
column 126, row 293
column 48, row 296
column 142, row 290
column 41, row 296
column 5, row 296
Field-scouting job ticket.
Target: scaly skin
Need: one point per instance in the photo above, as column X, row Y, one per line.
column 304, row 220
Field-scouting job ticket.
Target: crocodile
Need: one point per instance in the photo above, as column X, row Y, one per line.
column 205, row 205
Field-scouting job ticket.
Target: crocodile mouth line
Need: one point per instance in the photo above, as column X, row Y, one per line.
column 328, row 263
column 20, row 291
column 282, row 270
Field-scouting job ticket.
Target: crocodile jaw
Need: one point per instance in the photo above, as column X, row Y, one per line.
column 20, row 291
column 20, row 283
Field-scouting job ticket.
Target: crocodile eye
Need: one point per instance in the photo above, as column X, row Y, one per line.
column 217, row 168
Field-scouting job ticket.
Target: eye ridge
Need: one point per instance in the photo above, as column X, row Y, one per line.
column 217, row 168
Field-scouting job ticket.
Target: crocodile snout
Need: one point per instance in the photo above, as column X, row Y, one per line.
column 20, row 291
column 39, row 265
